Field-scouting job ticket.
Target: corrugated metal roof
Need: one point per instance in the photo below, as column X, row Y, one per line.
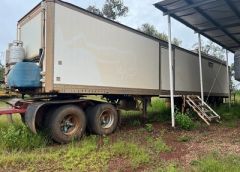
column 218, row 20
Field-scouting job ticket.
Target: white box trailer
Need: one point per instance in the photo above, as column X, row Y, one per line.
column 88, row 54
column 80, row 53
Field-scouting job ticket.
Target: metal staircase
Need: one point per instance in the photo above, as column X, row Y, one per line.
column 203, row 110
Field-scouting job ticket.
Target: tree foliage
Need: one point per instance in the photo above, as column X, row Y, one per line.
column 111, row 9
column 152, row 31
column 94, row 9
column 114, row 8
column 1, row 73
column 2, row 69
column 210, row 48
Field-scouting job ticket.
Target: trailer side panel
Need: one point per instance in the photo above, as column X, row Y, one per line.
column 92, row 52
column 32, row 43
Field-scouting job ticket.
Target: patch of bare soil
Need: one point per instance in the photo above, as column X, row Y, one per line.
column 215, row 138
column 204, row 140
column 120, row 164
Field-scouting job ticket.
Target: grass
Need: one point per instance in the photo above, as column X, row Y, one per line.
column 170, row 167
column 184, row 138
column 230, row 116
column 31, row 160
column 158, row 145
column 215, row 162
column 78, row 156
column 85, row 157
column 134, row 152
column 18, row 137
column 156, row 112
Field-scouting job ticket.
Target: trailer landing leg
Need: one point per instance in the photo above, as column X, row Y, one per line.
column 145, row 102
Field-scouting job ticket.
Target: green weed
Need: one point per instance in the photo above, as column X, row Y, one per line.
column 184, row 121
column 149, row 127
column 18, row 137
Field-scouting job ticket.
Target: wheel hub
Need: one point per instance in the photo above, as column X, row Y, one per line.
column 69, row 125
column 106, row 119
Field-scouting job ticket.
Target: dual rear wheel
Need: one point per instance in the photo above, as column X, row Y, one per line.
column 102, row 119
column 69, row 122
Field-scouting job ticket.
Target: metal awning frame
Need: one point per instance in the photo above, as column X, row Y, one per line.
column 195, row 6
column 171, row 14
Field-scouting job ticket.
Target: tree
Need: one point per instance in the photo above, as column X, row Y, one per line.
column 111, row 9
column 94, row 9
column 114, row 8
column 210, row 48
column 233, row 86
column 152, row 31
column 2, row 69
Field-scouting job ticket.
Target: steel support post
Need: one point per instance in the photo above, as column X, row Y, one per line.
column 171, row 71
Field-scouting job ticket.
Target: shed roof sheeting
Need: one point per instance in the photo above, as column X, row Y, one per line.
column 218, row 20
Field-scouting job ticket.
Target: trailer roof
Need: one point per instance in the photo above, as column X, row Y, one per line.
column 218, row 20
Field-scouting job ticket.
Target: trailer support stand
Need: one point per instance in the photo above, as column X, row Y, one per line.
column 171, row 70
column 145, row 102
column 228, row 81
column 200, row 66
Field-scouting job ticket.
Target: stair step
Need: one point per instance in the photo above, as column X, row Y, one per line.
column 206, row 111
column 212, row 117
column 203, row 110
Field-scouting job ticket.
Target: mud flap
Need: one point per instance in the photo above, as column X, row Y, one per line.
column 30, row 115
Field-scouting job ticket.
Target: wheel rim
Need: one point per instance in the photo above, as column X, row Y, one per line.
column 70, row 124
column 106, row 119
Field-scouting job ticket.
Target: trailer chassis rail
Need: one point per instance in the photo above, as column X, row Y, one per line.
column 17, row 106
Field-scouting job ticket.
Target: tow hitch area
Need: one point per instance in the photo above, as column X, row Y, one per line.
column 16, row 106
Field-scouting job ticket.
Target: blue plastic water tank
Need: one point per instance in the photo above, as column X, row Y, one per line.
column 24, row 75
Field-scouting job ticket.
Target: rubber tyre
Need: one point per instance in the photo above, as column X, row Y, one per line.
column 93, row 117
column 58, row 115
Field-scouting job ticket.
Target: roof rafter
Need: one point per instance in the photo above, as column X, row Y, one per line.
column 235, row 10
column 213, row 22
column 226, row 26
column 158, row 6
column 188, row 7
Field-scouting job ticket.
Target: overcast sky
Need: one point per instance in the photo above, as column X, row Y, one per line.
column 140, row 12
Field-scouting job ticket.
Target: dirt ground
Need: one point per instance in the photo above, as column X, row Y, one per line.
column 201, row 141
column 198, row 142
